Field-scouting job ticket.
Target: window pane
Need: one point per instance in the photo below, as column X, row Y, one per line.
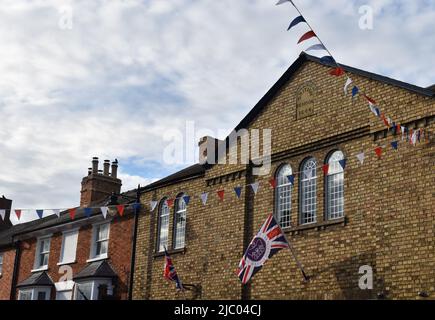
column 164, row 225
column 84, row 290
column 335, row 186
column 103, row 231
column 101, row 247
column 69, row 247
column 1, row 263
column 45, row 245
column 309, row 191
column 25, row 295
column 42, row 295
column 283, row 196
column 180, row 223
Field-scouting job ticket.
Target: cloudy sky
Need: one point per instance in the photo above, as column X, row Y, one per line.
column 109, row 78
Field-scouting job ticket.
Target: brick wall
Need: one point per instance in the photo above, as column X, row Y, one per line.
column 7, row 273
column 389, row 217
column 120, row 239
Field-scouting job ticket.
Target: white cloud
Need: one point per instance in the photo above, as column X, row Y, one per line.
column 130, row 70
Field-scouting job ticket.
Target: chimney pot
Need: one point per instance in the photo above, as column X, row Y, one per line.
column 106, row 167
column 115, row 169
column 89, row 171
column 95, row 165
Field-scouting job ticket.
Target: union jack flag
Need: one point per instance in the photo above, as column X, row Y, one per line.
column 169, row 272
column 268, row 241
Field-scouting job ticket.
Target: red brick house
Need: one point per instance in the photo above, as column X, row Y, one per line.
column 88, row 257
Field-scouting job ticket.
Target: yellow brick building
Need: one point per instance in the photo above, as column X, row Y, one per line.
column 382, row 216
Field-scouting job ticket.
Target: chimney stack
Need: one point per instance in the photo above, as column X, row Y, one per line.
column 99, row 185
column 95, row 165
column 115, row 169
column 209, row 149
column 106, row 167
column 5, row 204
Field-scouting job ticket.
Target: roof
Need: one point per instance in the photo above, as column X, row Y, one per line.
column 187, row 173
column 38, row 279
column 432, row 87
column 99, row 269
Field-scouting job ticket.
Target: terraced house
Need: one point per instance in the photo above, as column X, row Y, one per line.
column 87, row 257
column 376, row 213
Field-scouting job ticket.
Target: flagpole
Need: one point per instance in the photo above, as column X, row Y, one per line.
column 306, row 278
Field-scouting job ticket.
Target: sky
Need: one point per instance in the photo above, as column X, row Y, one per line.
column 113, row 79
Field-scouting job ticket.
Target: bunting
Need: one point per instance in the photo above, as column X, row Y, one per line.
column 221, row 194
column 120, row 208
column 272, row 183
column 153, row 205
column 254, row 187
column 395, row 145
column 325, row 169
column 306, row 36
column 296, row 21
column 204, row 197
column 378, row 152
column 186, row 200
column 346, row 85
column 314, row 47
column 238, row 191
column 104, row 211
column 88, row 212
column 72, row 213
column 2, row 214
column 18, row 214
column 40, row 213
column 361, row 157
column 291, row 179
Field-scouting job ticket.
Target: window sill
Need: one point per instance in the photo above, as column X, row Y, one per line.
column 67, row 262
column 104, row 257
column 170, row 252
column 316, row 226
column 45, row 268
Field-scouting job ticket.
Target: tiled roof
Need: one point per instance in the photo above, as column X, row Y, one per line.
column 37, row 279
column 98, row 269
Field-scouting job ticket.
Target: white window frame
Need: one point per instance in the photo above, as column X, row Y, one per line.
column 64, row 286
column 62, row 251
column 283, row 195
column 308, row 192
column 95, row 283
column 179, row 240
column 93, row 254
column 34, row 291
column 36, row 266
column 334, row 196
column 163, row 204
column 1, row 262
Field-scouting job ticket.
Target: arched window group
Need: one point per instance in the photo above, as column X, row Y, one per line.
column 179, row 227
column 308, row 180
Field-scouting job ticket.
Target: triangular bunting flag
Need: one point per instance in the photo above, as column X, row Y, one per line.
column 2, row 213
column 72, row 213
column 310, row 34
column 170, row 202
column 56, row 212
column 395, row 145
column 88, row 212
column 186, row 200
column 355, row 91
column 238, row 191
column 346, row 85
column 338, row 72
column 374, row 109
column 291, row 179
column 153, row 205
column 104, row 211
column 272, row 183
column 40, row 213
column 120, row 208
column 343, row 163
column 316, row 47
column 361, row 156
column 18, row 214
column 370, row 100
column 136, row 207
column 378, row 152
column 204, row 197
column 221, row 194
column 325, row 169
column 385, row 120
column 254, row 187
column 328, row 59
column 296, row 21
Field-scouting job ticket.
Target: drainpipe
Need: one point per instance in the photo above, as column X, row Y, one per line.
column 133, row 249
column 16, row 268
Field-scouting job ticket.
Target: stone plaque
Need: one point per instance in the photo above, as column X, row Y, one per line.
column 305, row 97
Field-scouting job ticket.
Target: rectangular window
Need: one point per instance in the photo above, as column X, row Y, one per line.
column 1, row 263
column 25, row 295
column 42, row 253
column 69, row 247
column 84, row 291
column 101, row 241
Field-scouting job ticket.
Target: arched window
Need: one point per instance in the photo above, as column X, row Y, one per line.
column 283, row 196
column 308, row 186
column 180, row 222
column 163, row 223
column 335, row 186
